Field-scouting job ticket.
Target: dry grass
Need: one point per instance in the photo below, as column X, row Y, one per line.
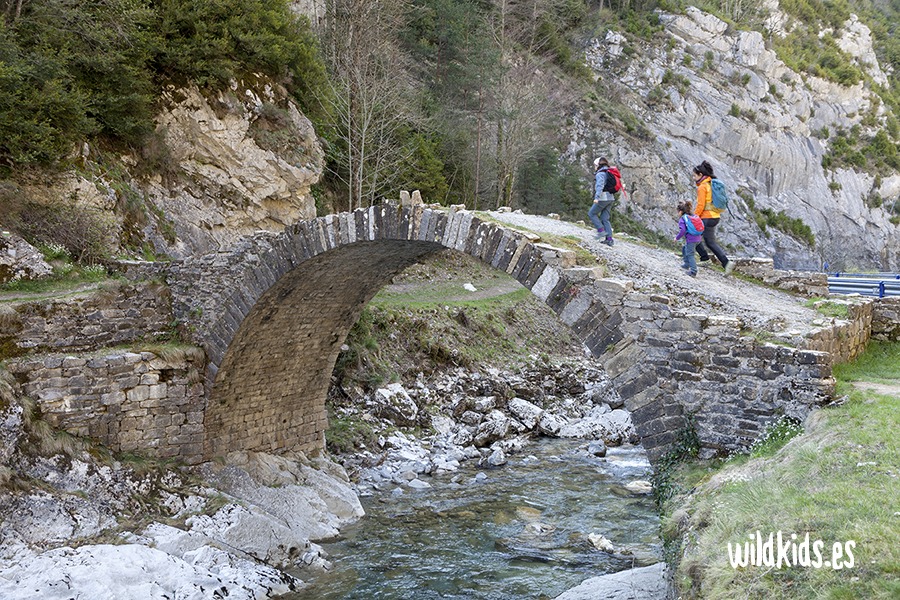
column 836, row 482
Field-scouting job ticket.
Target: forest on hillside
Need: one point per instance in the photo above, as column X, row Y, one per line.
column 466, row 100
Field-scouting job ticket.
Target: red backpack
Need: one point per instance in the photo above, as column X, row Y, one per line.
column 693, row 224
column 616, row 185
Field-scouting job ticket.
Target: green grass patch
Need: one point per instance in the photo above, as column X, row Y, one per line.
column 829, row 308
column 451, row 294
column 839, row 481
column 348, row 433
column 447, row 295
column 879, row 363
column 65, row 277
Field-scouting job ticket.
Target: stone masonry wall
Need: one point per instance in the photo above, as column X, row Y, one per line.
column 805, row 283
column 676, row 370
column 119, row 315
column 845, row 339
column 867, row 318
column 128, row 401
column 886, row 319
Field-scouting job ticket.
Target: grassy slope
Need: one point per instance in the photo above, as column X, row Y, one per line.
column 838, row 481
column 427, row 321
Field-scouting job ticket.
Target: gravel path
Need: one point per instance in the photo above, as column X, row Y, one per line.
column 658, row 271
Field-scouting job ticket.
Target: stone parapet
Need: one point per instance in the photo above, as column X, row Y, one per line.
column 119, row 315
column 845, row 339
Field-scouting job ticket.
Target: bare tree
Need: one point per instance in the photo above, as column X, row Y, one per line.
column 525, row 99
column 369, row 98
column 529, row 104
column 12, row 9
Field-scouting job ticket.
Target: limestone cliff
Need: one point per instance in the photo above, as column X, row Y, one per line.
column 245, row 160
column 219, row 166
column 717, row 93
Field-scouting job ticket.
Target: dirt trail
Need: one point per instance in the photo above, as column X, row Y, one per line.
column 884, row 389
column 482, row 290
column 658, row 271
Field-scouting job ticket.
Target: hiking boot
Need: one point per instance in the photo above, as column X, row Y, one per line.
column 704, row 259
column 729, row 267
column 608, row 241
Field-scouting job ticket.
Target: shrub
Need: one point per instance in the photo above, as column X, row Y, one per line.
column 73, row 70
column 87, row 234
column 213, row 42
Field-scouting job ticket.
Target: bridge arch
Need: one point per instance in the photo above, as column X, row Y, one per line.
column 276, row 310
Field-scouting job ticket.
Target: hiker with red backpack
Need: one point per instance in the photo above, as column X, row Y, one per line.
column 711, row 201
column 607, row 187
column 690, row 229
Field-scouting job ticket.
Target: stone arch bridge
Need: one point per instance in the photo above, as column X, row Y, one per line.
column 273, row 312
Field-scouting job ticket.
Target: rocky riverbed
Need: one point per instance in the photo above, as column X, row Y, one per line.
column 77, row 521
column 482, row 417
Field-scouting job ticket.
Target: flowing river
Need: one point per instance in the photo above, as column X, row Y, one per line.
column 519, row 531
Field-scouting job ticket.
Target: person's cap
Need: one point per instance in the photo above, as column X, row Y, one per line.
column 600, row 160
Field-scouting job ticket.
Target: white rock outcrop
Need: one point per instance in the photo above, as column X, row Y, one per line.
column 228, row 185
column 274, row 508
column 19, row 260
column 138, row 572
column 723, row 96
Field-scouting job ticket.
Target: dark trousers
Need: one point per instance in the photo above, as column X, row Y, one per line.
column 709, row 241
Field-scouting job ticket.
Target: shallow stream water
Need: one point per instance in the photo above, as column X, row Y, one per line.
column 519, row 531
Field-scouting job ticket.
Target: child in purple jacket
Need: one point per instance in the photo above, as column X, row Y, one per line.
column 689, row 264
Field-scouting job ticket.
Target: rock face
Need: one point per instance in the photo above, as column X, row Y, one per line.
column 134, row 571
column 218, row 167
column 720, row 95
column 20, row 260
column 234, row 180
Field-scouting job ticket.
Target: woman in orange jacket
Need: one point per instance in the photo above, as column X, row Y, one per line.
column 705, row 209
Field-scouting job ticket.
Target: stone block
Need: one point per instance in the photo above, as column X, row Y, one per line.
column 116, row 397
column 545, row 283
column 681, row 324
column 557, row 257
column 138, row 394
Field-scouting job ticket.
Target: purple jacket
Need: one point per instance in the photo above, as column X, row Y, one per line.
column 682, row 233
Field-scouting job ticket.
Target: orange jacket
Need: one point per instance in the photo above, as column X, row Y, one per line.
column 705, row 208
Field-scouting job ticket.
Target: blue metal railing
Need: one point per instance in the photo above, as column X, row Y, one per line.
column 878, row 285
